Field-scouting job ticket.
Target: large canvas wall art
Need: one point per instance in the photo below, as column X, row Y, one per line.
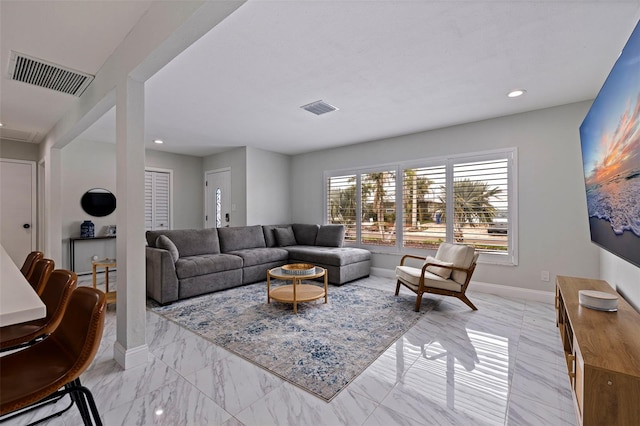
column 610, row 139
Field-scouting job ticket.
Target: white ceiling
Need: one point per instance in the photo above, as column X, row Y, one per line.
column 391, row 67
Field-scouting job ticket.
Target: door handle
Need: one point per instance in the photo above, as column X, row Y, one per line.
column 226, row 217
column 26, row 226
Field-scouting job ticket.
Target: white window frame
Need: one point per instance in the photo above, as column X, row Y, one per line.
column 510, row 257
column 170, row 172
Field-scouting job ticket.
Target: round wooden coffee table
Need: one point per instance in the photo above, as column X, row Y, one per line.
column 296, row 292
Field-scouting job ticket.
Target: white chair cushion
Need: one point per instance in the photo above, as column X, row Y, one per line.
column 460, row 255
column 411, row 276
column 441, row 272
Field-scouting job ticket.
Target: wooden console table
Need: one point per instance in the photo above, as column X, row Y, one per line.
column 602, row 350
column 72, row 247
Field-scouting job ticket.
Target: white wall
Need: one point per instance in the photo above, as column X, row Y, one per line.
column 188, row 186
column 268, row 187
column 19, row 150
column 621, row 275
column 236, row 160
column 553, row 227
column 87, row 165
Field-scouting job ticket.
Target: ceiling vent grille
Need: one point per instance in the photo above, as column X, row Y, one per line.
column 48, row 75
column 319, row 107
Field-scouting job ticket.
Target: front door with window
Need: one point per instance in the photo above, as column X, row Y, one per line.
column 218, row 198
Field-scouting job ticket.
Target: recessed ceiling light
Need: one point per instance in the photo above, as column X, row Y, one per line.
column 158, row 141
column 0, row 124
column 516, row 93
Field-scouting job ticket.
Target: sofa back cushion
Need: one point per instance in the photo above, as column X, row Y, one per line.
column 305, row 234
column 240, row 238
column 189, row 242
column 330, row 236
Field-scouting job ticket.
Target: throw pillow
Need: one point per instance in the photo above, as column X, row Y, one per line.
column 437, row 270
column 163, row 242
column 285, row 237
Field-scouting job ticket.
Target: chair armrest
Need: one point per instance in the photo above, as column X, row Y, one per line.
column 411, row 256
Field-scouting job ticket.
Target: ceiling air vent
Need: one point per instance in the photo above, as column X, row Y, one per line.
column 46, row 74
column 319, row 107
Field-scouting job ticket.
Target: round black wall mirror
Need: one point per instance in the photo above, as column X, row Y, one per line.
column 98, row 202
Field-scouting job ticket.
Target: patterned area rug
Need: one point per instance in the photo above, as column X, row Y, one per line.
column 321, row 349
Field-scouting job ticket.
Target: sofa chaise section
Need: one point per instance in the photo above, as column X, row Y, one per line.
column 343, row 264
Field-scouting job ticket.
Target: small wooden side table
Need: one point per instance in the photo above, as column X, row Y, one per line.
column 296, row 292
column 106, row 264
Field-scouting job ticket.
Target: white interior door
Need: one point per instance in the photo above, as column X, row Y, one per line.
column 18, row 208
column 217, row 199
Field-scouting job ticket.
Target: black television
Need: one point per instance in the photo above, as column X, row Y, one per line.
column 610, row 141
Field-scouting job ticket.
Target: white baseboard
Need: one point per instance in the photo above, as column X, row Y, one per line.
column 129, row 358
column 497, row 289
column 384, row 273
column 515, row 292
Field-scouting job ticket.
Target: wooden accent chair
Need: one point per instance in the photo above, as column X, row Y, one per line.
column 50, row 369
column 30, row 263
column 447, row 274
column 40, row 274
column 55, row 295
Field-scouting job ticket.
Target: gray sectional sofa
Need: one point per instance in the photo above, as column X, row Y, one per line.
column 189, row 262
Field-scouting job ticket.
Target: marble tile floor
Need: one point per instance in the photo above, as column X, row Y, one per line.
column 500, row 365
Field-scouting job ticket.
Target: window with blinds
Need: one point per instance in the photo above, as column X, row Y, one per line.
column 157, row 196
column 423, row 206
column 467, row 199
column 342, row 203
column 481, row 204
column 378, row 203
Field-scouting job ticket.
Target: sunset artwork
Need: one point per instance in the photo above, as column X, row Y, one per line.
column 610, row 138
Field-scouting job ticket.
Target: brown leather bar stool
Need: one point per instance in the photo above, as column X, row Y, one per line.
column 50, row 369
column 30, row 263
column 41, row 271
column 55, row 296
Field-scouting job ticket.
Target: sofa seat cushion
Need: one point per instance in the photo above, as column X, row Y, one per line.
column 411, row 276
column 193, row 266
column 261, row 256
column 334, row 256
